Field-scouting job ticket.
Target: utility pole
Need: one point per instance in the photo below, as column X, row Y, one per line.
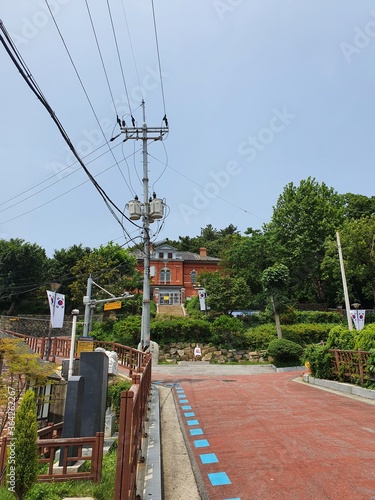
column 150, row 210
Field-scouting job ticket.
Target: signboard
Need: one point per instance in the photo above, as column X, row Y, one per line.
column 112, row 305
column 85, row 344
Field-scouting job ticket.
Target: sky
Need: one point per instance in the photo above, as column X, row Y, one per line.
column 257, row 93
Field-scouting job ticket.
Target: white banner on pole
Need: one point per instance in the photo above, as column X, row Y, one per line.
column 57, row 308
column 202, row 299
column 358, row 317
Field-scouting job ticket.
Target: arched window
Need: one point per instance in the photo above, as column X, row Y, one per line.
column 165, row 275
column 193, row 276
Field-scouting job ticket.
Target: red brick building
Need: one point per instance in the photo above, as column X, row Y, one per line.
column 174, row 273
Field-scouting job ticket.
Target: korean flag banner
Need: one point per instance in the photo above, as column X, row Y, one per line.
column 202, row 299
column 57, row 308
column 358, row 317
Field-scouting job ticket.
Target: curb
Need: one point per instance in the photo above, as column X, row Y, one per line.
column 340, row 386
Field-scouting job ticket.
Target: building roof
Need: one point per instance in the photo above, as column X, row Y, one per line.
column 177, row 255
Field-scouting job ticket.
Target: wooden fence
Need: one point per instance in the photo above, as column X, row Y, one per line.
column 350, row 365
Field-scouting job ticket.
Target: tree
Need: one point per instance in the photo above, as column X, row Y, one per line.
column 23, row 269
column 224, row 293
column 275, row 281
column 357, row 206
column 60, row 269
column 19, row 367
column 23, row 465
column 303, row 218
column 112, row 266
column 358, row 247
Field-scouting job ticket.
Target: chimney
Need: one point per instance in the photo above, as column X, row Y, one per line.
column 202, row 252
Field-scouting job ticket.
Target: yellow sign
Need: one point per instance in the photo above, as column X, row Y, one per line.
column 85, row 345
column 112, row 305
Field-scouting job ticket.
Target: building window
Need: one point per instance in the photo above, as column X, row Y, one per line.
column 170, row 255
column 193, row 277
column 165, row 276
column 161, row 255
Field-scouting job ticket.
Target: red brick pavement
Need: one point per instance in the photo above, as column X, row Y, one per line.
column 275, row 438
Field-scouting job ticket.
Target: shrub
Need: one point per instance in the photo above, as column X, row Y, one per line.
column 341, row 338
column 319, row 317
column 284, row 352
column 23, row 464
column 258, row 338
column 227, row 332
column 126, row 331
column 319, row 359
column 306, row 333
column 365, row 338
column 167, row 330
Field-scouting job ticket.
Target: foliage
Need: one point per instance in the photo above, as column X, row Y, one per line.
column 22, row 368
column 340, row 337
column 24, row 465
column 365, row 338
column 303, row 218
column 126, row 331
column 307, row 333
column 115, row 388
column 319, row 359
column 23, row 268
column 285, row 352
column 258, row 338
column 358, row 206
column 224, row 293
column 318, row 317
column 114, row 268
column 275, row 280
column 164, row 331
column 227, row 332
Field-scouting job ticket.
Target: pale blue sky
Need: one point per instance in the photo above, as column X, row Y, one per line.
column 257, row 94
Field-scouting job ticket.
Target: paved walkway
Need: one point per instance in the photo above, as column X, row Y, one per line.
column 265, row 436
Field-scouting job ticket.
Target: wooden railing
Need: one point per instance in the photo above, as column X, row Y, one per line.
column 128, row 357
column 350, row 364
column 85, row 449
column 133, row 412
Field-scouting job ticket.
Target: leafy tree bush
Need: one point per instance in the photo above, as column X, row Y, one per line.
column 341, row 338
column 164, row 331
column 285, row 352
column 259, row 337
column 305, row 333
column 320, row 361
column 126, row 331
column 318, row 317
column 365, row 338
column 23, row 465
column 227, row 331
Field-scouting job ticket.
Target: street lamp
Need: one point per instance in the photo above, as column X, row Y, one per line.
column 75, row 313
column 54, row 287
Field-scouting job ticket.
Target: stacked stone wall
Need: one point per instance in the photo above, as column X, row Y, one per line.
column 173, row 353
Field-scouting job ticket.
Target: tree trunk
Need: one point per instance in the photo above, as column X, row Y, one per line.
column 277, row 319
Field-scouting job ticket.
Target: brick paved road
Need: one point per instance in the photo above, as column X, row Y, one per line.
column 265, row 436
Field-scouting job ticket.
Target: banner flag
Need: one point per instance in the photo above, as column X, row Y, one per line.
column 202, row 299
column 358, row 317
column 57, row 308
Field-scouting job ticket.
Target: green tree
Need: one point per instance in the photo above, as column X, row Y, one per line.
column 224, row 293
column 23, row 269
column 358, row 205
column 23, row 463
column 275, row 280
column 303, row 218
column 111, row 266
column 60, row 269
column 358, row 247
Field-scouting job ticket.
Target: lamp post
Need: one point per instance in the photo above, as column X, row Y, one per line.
column 75, row 313
column 54, row 287
column 356, row 306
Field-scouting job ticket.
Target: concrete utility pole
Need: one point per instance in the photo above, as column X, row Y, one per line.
column 146, row 134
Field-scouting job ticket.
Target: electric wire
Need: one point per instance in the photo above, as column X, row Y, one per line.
column 158, row 54
column 131, row 48
column 82, row 85
column 119, row 57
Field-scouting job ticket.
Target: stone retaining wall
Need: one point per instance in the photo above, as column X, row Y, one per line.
column 173, row 353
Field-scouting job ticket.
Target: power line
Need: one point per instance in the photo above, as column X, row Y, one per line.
column 158, row 54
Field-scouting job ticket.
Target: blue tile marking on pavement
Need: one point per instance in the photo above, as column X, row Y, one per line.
column 208, row 458
column 196, row 432
column 187, row 407
column 181, row 395
column 201, row 443
column 189, row 414
column 192, row 422
column 237, row 498
column 219, row 478
column 184, row 400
